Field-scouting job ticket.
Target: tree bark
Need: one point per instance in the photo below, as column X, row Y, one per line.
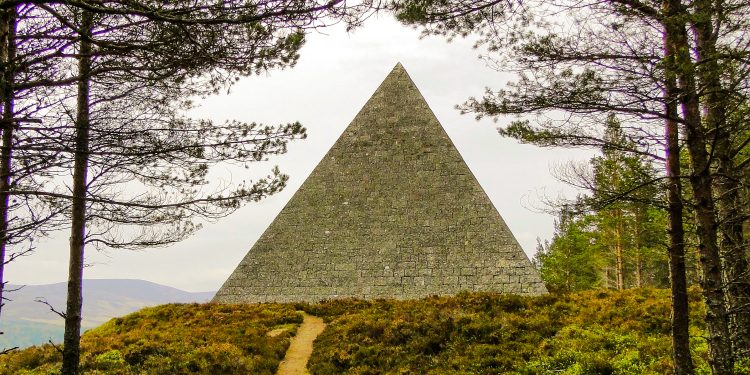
column 72, row 337
column 735, row 263
column 712, row 283
column 618, row 252
column 7, row 56
column 721, row 357
column 639, row 220
column 683, row 362
column 720, row 350
column 729, row 202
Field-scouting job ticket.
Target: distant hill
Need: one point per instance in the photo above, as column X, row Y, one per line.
column 27, row 322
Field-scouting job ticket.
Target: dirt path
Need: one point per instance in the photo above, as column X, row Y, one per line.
column 295, row 360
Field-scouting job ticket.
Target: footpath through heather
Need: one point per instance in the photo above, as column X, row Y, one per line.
column 301, row 347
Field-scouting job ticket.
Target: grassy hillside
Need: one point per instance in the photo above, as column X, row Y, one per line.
column 596, row 332
column 176, row 339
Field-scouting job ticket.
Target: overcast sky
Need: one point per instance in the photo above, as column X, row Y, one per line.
column 336, row 74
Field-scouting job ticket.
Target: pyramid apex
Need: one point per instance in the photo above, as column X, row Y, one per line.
column 398, row 69
column 397, row 84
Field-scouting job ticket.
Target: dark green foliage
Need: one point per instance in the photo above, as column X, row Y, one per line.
column 593, row 332
column 613, row 235
column 175, row 339
column 570, row 262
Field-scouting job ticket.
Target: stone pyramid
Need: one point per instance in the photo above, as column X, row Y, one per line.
column 392, row 211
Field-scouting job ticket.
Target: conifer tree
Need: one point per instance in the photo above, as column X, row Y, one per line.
column 623, row 212
column 569, row 262
column 622, row 56
column 140, row 167
column 30, row 45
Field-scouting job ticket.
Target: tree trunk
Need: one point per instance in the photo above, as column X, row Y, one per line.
column 729, row 203
column 720, row 350
column 618, row 252
column 683, row 362
column 7, row 55
column 735, row 263
column 71, row 348
column 712, row 283
column 638, row 260
column 605, row 278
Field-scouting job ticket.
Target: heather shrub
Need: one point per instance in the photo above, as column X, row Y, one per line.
column 175, row 339
column 593, row 332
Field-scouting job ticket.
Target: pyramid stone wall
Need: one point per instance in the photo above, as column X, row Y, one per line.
column 392, row 211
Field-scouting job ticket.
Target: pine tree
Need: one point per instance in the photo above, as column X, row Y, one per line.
column 631, row 58
column 139, row 167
